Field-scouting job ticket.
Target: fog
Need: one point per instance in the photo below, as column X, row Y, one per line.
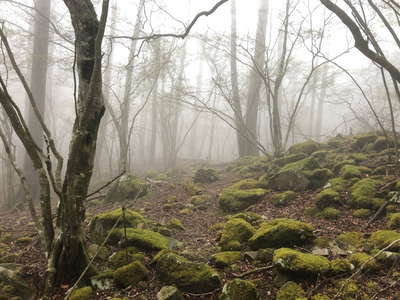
column 178, row 109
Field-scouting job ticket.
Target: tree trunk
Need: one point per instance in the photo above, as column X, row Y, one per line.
column 321, row 103
column 38, row 85
column 253, row 95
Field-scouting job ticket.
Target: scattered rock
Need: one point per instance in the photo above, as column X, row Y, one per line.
column 130, row 274
column 239, row 289
column 393, row 221
column 127, row 187
column 288, row 180
column 307, row 147
column 205, row 176
column 235, row 233
column 85, row 293
column 290, row 291
column 283, row 199
column 169, row 293
column 140, row 238
column 226, row 259
column 383, row 238
column 232, row 200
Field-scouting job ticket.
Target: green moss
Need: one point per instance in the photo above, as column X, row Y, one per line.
column 24, row 240
column 246, row 184
column 175, row 224
column 283, row 199
column 250, row 217
column 265, row 255
column 350, row 171
column 102, row 223
column 235, row 230
column 290, row 159
column 307, row 147
column 319, row 177
column 393, row 221
column 140, row 238
column 186, row 275
column 120, row 258
column 297, row 262
column 367, row 262
column 128, row 187
column 225, row 259
column 205, row 176
column 306, row 164
column 130, row 274
column 330, row 213
column 290, row 291
column 341, row 266
column 201, row 201
column 191, row 188
column 85, row 293
column 292, row 180
column 239, row 289
column 327, row 198
column 339, row 184
column 280, row 233
column 320, row 297
column 383, row 238
column 348, row 288
column 362, row 213
column 351, row 240
column 232, row 200
column 358, row 157
column 362, row 140
column 185, row 211
column 322, row 242
column 363, row 194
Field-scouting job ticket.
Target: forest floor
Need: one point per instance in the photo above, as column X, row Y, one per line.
column 201, row 240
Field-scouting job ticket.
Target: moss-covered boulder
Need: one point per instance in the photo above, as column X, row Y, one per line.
column 169, row 293
column 125, row 257
column 350, row 171
column 292, row 180
column 12, row 284
column 293, row 261
column 383, row 238
column 327, row 198
column 140, row 238
column 283, row 199
column 290, row 291
column 393, row 221
column 364, row 261
column 201, row 201
column 289, row 159
column 319, row 177
column 352, row 240
column 235, row 234
column 84, row 293
column 364, row 194
column 226, row 259
column 362, row 213
column 232, row 200
column 175, row 224
column 101, row 224
column 341, row 266
column 282, row 233
column 239, row 289
column 250, row 217
column 359, row 142
column 186, row 275
column 329, row 213
column 127, row 187
column 205, row 176
column 307, row 147
column 246, row 184
column 307, row 164
column 130, row 274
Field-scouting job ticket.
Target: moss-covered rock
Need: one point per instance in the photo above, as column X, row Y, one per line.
column 319, row 177
column 246, row 184
column 235, row 233
column 250, row 217
column 348, row 289
column 283, row 199
column 393, row 221
column 341, row 266
column 307, row 164
column 320, row 297
column 350, row 171
column 102, row 223
column 175, row 224
column 12, row 286
column 239, row 289
column 226, row 259
column 364, row 194
column 130, row 274
column 205, row 176
column 140, row 238
column 340, row 184
column 85, row 293
column 351, row 240
column 362, row 213
column 289, row 159
column 128, row 187
column 292, row 180
column 382, row 143
column 327, row 198
column 232, row 200
column 294, row 261
column 307, row 147
column 330, row 213
column 383, row 238
column 290, row 291
column 367, row 262
column 169, row 293
column 186, row 275
column 201, row 201
column 359, row 142
column 124, row 257
column 280, row 233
